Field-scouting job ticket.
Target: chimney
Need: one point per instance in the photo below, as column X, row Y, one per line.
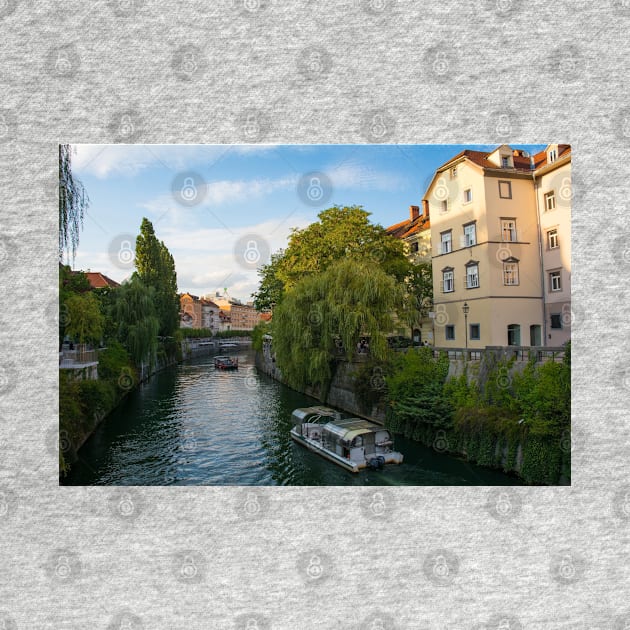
column 425, row 208
column 414, row 212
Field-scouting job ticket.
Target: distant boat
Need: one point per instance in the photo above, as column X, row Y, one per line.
column 225, row 363
column 228, row 344
column 352, row 443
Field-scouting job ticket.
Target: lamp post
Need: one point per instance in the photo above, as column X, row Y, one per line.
column 466, row 308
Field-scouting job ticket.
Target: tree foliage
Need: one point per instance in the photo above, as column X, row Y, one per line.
column 84, row 318
column 419, row 283
column 271, row 288
column 156, row 269
column 135, row 312
column 416, row 388
column 340, row 233
column 329, row 311
column 73, row 202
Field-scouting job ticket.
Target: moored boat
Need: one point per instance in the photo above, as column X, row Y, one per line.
column 352, row 443
column 226, row 363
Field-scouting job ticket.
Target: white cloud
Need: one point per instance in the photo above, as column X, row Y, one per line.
column 103, row 160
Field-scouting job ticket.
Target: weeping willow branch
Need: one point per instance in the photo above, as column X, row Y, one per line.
column 73, row 202
column 331, row 310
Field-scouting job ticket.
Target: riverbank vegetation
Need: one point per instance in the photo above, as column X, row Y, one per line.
column 518, row 420
column 130, row 330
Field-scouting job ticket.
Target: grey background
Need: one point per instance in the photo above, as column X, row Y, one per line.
column 313, row 72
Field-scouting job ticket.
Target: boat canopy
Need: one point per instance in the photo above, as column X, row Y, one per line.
column 352, row 427
column 309, row 414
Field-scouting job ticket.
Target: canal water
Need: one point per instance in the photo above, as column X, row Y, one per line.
column 194, row 425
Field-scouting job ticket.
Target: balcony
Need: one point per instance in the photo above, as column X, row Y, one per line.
column 77, row 359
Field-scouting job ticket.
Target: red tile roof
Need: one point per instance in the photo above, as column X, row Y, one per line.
column 521, row 163
column 409, row 227
column 99, row 280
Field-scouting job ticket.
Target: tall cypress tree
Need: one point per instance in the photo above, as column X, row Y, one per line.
column 156, row 269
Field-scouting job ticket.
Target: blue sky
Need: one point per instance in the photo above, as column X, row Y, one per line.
column 221, row 209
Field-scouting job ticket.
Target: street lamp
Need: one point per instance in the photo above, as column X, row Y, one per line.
column 466, row 308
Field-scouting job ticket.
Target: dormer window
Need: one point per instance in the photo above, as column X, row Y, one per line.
column 505, row 162
column 552, row 156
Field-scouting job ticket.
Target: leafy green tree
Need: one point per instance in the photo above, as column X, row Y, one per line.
column 156, row 269
column 70, row 283
column 271, row 288
column 135, row 311
column 341, row 233
column 73, row 202
column 84, row 318
column 332, row 310
column 419, row 284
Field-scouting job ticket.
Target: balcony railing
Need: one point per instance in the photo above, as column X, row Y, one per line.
column 73, row 359
column 541, row 354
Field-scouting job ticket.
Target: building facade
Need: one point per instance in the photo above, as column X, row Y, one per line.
column 244, row 317
column 196, row 312
column 553, row 198
column 494, row 283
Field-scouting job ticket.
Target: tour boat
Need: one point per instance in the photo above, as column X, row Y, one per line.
column 225, row 363
column 352, row 443
column 228, row 344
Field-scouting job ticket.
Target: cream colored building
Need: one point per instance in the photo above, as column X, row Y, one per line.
column 553, row 196
column 487, row 237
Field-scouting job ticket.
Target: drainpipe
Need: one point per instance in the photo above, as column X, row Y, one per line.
column 540, row 257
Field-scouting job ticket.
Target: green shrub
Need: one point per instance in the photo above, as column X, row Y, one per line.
column 112, row 360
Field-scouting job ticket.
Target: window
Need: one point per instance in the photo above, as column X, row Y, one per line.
column 468, row 195
column 448, row 281
column 508, row 230
column 505, row 190
column 449, row 332
column 470, row 235
column 556, row 320
column 514, row 335
column 510, row 273
column 555, row 283
column 472, row 275
column 414, row 247
column 505, row 162
column 445, row 205
column 552, row 239
column 475, row 332
column 454, row 172
column 447, row 242
column 550, row 201
column 552, row 155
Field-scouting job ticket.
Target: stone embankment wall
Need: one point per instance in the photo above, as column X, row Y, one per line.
column 341, row 394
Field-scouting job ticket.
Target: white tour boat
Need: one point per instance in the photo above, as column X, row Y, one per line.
column 352, row 443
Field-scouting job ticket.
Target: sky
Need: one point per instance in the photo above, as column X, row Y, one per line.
column 221, row 210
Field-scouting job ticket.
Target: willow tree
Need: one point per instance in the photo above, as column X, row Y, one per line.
column 341, row 232
column 73, row 202
column 328, row 313
column 134, row 310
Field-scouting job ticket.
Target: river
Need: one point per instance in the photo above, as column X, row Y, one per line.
column 194, row 425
